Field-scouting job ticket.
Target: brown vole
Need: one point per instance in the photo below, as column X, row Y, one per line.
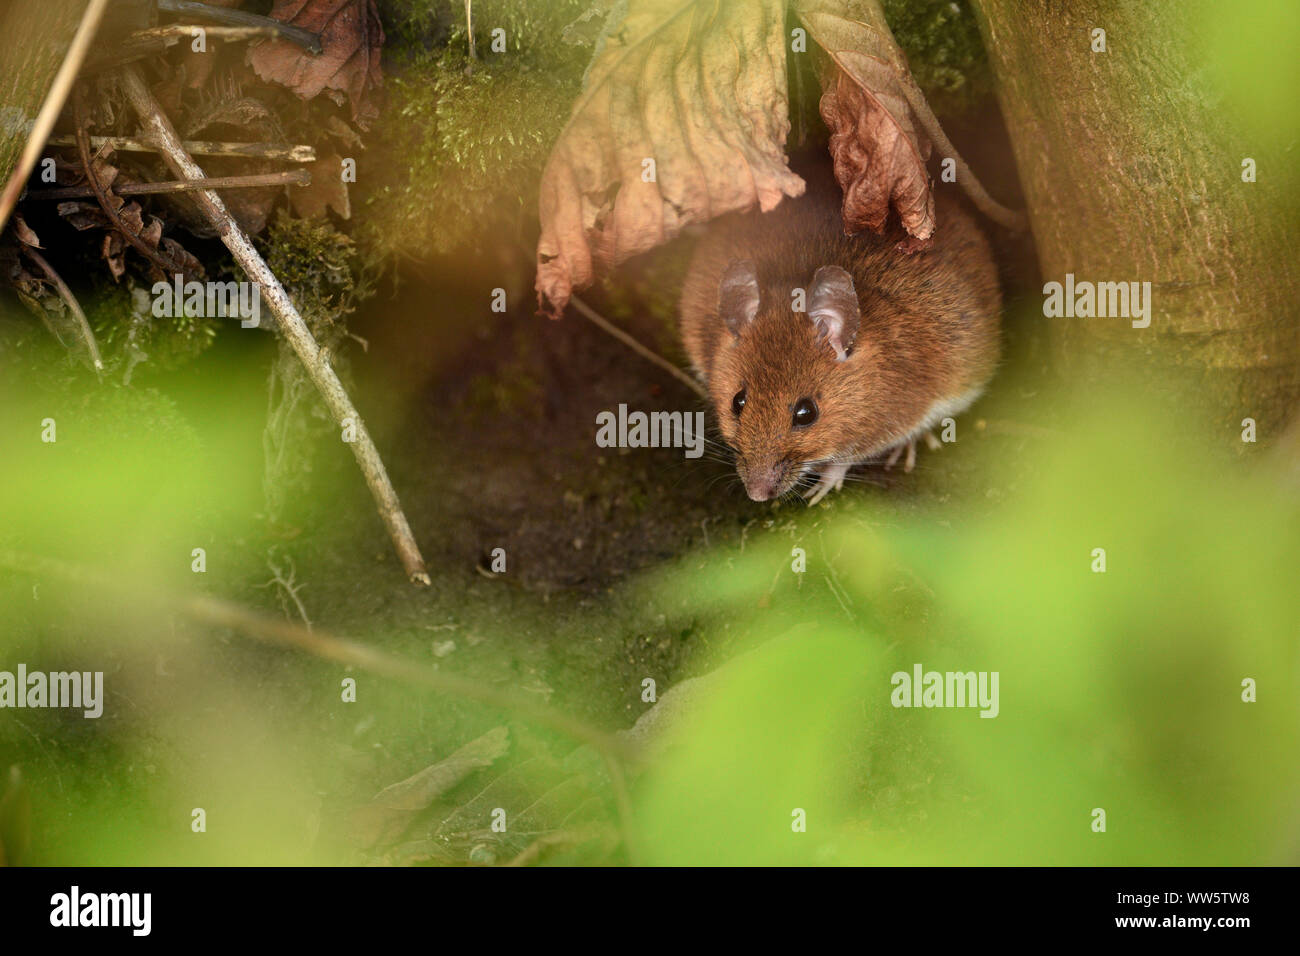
column 887, row 343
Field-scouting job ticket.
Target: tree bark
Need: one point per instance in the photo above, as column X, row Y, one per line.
column 1131, row 163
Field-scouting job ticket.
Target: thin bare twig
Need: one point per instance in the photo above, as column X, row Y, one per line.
column 52, row 106
column 595, row 318
column 469, row 29
column 292, row 177
column 61, row 287
column 175, row 32
column 198, row 147
column 314, row 359
column 304, row 38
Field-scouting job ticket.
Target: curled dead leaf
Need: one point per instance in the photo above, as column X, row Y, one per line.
column 26, row 235
column 683, row 118
column 878, row 149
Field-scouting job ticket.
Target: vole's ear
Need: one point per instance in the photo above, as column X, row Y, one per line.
column 738, row 295
column 833, row 308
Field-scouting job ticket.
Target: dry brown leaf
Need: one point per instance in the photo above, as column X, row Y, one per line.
column 326, row 188
column 391, row 811
column 26, row 235
column 178, row 254
column 113, row 251
column 877, row 148
column 88, row 215
column 82, row 215
column 700, row 89
column 351, row 39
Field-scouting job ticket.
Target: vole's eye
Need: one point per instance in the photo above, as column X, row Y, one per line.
column 805, row 413
column 738, row 402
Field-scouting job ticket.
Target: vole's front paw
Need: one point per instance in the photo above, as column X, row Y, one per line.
column 830, row 479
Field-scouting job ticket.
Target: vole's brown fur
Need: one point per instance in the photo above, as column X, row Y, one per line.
column 927, row 345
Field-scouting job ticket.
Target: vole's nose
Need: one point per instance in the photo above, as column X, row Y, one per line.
column 761, row 484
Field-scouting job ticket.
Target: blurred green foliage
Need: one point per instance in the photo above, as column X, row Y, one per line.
column 1119, row 690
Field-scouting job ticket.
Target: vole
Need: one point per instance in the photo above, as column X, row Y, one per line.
column 887, row 344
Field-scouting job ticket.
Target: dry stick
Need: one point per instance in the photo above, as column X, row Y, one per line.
column 603, row 323
column 219, row 613
column 1008, row 218
column 198, row 147
column 164, row 263
column 469, row 29
column 314, row 359
column 66, row 295
column 52, row 106
column 309, row 41
column 175, row 32
column 292, row 177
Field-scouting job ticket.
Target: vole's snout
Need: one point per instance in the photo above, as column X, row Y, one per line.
column 765, row 482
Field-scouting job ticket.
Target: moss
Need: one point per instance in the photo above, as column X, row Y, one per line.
column 323, row 270
column 464, row 142
column 129, row 333
column 944, row 50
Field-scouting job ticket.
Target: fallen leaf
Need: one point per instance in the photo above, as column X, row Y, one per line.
column 351, row 39
column 25, row 233
column 190, row 265
column 113, row 251
column 391, row 811
column 697, row 88
column 82, row 215
column 878, row 151
column 88, row 215
column 326, row 188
